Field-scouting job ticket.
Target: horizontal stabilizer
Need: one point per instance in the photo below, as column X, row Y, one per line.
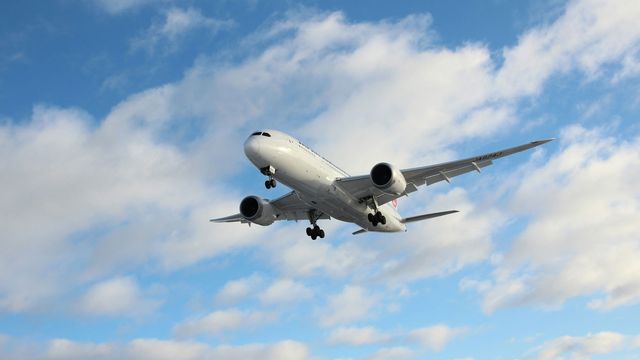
column 427, row 216
column 359, row 232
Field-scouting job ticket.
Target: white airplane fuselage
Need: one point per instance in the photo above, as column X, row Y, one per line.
column 312, row 177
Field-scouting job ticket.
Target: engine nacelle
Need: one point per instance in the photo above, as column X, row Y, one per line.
column 388, row 178
column 257, row 210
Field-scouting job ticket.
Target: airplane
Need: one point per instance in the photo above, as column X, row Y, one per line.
column 321, row 190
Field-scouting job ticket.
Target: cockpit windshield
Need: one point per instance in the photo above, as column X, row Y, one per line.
column 261, row 133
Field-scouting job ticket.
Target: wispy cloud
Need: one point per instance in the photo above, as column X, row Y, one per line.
column 176, row 24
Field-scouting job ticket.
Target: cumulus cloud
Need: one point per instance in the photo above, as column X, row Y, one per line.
column 223, row 320
column 431, row 248
column 583, row 236
column 436, row 337
column 351, row 304
column 284, row 291
column 177, row 23
column 357, row 336
column 236, row 290
column 588, row 36
column 136, row 185
column 66, row 349
column 115, row 7
column 69, row 177
column 150, row 348
column 397, row 352
column 582, row 347
column 116, row 296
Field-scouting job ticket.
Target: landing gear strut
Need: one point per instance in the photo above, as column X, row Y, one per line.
column 377, row 217
column 269, row 171
column 314, row 232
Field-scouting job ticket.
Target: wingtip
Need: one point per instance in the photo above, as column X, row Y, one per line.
column 543, row 141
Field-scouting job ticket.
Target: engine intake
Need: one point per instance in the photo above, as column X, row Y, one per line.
column 257, row 210
column 388, row 178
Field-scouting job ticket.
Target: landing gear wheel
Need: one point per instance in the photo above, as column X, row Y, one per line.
column 272, row 182
column 370, row 217
column 314, row 236
column 267, row 184
column 316, row 229
column 309, row 231
column 321, row 234
column 383, row 220
column 374, row 222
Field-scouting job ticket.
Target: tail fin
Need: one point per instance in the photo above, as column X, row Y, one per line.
column 427, row 216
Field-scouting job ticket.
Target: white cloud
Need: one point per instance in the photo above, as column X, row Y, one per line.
column 136, row 188
column 582, row 347
column 397, row 352
column 223, row 320
column 116, row 296
column 66, row 349
column 177, row 23
column 588, row 36
column 357, row 336
column 284, row 291
column 430, row 248
column 436, row 337
column 583, row 236
column 115, row 7
column 149, row 348
column 352, row 304
column 236, row 290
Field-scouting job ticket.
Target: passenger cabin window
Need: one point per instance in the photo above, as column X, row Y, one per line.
column 266, row 134
column 256, row 133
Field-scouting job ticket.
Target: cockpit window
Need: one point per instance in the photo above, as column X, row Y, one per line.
column 256, row 133
column 266, row 134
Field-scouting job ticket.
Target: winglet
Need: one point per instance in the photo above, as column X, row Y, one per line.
column 359, row 232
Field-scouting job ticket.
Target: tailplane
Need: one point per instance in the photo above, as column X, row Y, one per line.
column 427, row 216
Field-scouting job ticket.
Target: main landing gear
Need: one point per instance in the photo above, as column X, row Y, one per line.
column 269, row 171
column 377, row 218
column 314, row 232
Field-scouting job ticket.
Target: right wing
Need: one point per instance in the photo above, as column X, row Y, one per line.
column 288, row 207
column 361, row 186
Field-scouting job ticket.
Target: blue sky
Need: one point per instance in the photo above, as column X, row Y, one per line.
column 121, row 131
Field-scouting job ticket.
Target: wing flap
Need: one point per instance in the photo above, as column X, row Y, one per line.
column 361, row 187
column 446, row 174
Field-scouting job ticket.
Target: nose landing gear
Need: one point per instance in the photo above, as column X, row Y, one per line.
column 271, row 183
column 269, row 171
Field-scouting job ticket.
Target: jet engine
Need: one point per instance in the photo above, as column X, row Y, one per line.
column 257, row 210
column 388, row 178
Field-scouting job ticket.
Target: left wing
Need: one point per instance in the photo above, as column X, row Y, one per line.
column 288, row 207
column 361, row 186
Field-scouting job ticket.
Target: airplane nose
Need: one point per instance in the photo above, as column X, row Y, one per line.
column 252, row 147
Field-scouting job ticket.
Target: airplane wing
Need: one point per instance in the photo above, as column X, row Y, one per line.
column 288, row 207
column 361, row 186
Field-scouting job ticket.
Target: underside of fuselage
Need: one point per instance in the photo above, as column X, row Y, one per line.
column 289, row 162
